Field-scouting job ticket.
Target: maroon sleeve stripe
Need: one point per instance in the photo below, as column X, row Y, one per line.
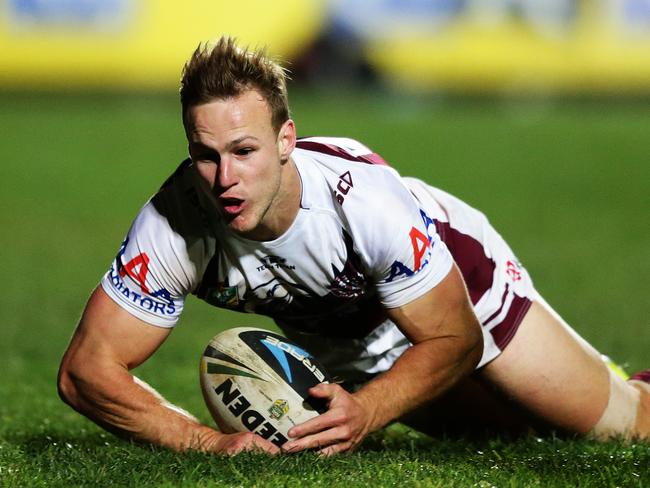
column 331, row 150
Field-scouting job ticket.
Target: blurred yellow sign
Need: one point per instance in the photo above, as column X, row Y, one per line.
column 509, row 45
column 115, row 43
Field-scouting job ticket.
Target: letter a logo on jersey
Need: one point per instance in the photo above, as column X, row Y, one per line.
column 420, row 244
column 141, row 263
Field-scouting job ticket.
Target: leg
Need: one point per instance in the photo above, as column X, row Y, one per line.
column 559, row 377
column 472, row 408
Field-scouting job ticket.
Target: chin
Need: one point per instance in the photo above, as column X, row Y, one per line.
column 241, row 226
column 238, row 228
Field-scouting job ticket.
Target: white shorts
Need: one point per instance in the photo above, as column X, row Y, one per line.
column 499, row 287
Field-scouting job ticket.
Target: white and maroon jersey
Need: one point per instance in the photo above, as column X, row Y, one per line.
column 364, row 240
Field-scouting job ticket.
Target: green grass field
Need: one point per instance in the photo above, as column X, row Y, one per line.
column 567, row 184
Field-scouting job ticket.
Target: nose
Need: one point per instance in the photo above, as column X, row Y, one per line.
column 225, row 173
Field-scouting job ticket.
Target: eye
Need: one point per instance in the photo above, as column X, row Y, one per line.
column 206, row 158
column 244, row 151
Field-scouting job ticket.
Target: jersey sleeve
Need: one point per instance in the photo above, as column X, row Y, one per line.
column 153, row 270
column 404, row 254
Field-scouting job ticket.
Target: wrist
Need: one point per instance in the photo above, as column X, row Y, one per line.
column 204, row 439
column 374, row 414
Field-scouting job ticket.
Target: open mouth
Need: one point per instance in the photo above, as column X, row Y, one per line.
column 231, row 206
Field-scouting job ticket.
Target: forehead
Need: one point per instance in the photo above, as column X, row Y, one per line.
column 248, row 111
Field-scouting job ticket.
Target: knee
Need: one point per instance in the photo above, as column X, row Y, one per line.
column 642, row 426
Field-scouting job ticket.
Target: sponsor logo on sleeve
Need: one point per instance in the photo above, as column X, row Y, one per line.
column 513, row 269
column 156, row 301
column 421, row 244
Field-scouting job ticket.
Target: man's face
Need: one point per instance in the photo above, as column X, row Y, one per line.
column 245, row 163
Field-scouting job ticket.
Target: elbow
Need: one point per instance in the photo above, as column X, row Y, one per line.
column 66, row 385
column 71, row 382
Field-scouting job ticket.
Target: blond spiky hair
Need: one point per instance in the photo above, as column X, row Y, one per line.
column 221, row 69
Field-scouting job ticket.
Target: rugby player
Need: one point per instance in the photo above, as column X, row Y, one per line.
column 402, row 290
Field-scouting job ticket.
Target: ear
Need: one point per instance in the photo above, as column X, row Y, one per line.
column 286, row 140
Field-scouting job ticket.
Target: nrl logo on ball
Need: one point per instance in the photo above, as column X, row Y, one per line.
column 278, row 409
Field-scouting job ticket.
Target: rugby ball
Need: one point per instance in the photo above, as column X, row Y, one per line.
column 258, row 381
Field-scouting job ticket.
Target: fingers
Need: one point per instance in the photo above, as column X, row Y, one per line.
column 336, row 397
column 341, row 428
column 233, row 444
column 262, row 445
column 337, row 436
column 336, row 449
column 324, row 421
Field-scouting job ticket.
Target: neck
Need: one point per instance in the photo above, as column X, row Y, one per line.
column 283, row 209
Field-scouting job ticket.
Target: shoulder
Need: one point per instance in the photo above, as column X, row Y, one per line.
column 173, row 211
column 179, row 201
column 340, row 147
column 371, row 198
column 359, row 182
column 163, row 255
column 171, row 233
column 361, row 178
column 345, row 164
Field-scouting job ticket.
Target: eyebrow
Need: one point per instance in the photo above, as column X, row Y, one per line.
column 239, row 140
column 230, row 145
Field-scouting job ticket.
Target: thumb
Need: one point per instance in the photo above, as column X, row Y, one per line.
column 320, row 397
column 323, row 390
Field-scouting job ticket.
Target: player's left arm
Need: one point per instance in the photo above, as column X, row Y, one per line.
column 447, row 346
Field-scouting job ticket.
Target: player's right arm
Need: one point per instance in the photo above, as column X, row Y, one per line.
column 128, row 317
column 95, row 379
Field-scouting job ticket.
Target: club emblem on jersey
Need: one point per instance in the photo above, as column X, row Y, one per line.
column 349, row 282
column 223, row 296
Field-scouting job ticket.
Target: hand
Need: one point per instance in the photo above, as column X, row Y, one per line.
column 342, row 428
column 232, row 444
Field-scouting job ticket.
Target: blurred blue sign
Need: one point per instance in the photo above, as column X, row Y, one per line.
column 637, row 12
column 377, row 18
column 69, row 13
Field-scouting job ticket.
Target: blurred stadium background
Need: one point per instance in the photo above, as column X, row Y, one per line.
column 466, row 46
